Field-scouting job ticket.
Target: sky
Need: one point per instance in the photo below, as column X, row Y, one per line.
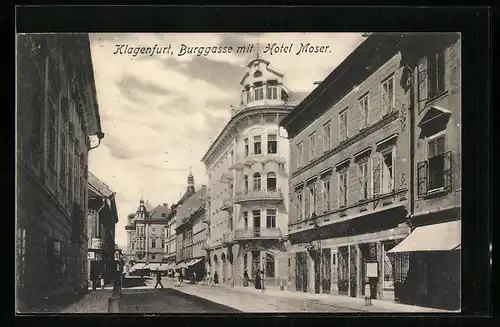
column 161, row 110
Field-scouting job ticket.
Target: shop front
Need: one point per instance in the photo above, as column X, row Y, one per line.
column 434, row 266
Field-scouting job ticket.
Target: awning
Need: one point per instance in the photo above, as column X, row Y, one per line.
column 181, row 265
column 193, row 262
column 436, row 237
column 154, row 266
column 137, row 266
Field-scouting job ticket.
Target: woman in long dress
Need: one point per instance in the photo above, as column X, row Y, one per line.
column 257, row 280
column 245, row 278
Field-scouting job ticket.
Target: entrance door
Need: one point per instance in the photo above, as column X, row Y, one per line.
column 325, row 270
column 317, row 273
column 343, row 270
column 301, row 271
column 353, row 271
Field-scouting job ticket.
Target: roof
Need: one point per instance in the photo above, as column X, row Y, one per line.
column 160, row 212
column 189, row 192
column 361, row 63
column 98, row 186
column 192, row 204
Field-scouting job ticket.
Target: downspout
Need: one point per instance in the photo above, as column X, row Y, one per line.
column 411, row 109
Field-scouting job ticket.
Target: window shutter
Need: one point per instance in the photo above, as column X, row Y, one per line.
column 422, row 83
column 361, row 180
column 422, row 178
column 376, row 174
column 341, row 191
column 448, row 170
column 393, row 179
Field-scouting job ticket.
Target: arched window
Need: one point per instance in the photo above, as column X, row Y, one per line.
column 256, row 182
column 223, row 257
column 270, row 266
column 215, row 259
column 245, row 179
column 271, row 181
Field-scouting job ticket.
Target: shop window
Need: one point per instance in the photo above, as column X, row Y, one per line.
column 270, row 266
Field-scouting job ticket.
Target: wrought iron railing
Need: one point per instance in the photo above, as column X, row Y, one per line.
column 259, row 195
column 259, row 233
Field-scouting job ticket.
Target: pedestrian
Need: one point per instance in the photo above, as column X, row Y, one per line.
column 257, row 280
column 177, row 277
column 194, row 277
column 216, row 278
column 158, row 278
column 262, row 280
column 245, row 278
column 368, row 292
column 102, row 281
column 209, row 279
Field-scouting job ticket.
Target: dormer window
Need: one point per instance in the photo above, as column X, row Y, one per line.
column 258, row 93
column 257, row 73
column 272, row 92
column 284, row 96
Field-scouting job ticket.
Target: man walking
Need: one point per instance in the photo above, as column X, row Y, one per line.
column 158, row 278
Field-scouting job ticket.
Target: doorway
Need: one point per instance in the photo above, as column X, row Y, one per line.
column 353, row 285
column 301, row 272
column 325, row 270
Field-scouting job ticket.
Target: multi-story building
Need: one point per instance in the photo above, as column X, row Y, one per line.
column 191, row 235
column 57, row 112
column 146, row 233
column 102, row 218
column 170, row 252
column 433, row 81
column 247, row 190
column 349, row 176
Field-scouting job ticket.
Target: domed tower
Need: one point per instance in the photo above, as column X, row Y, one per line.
column 190, row 190
column 248, row 173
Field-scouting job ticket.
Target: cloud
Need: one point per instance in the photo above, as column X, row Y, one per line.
column 161, row 112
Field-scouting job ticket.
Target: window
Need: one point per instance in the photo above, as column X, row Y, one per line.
column 312, row 146
column 272, row 144
column 257, row 146
column 153, row 243
column 258, row 93
column 363, row 180
column 154, row 230
column 52, row 132
column 76, row 171
column 343, row 188
column 271, row 218
column 300, row 205
column 382, row 172
column 363, row 111
column 256, row 182
column 153, row 256
column 436, row 158
column 436, row 70
column 162, row 244
column 249, row 96
column 270, row 266
column 132, row 245
column 326, row 137
column 307, row 206
column 312, row 198
column 388, row 97
column 343, row 125
column 300, row 154
column 326, row 195
column 246, row 147
column 271, row 181
column 62, row 176
column 54, row 261
column 272, row 92
column 245, row 219
column 245, row 180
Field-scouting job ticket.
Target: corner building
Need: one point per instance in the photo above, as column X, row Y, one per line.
column 349, row 175
column 247, row 189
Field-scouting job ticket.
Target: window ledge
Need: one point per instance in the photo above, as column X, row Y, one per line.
column 436, row 97
column 435, row 193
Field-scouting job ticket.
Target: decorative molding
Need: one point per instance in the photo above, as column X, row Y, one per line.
column 363, row 134
column 387, row 141
column 361, row 154
column 342, row 164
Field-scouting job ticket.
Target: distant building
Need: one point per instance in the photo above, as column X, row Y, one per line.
column 191, row 235
column 170, row 251
column 102, row 219
column 57, row 112
column 247, row 168
column 146, row 233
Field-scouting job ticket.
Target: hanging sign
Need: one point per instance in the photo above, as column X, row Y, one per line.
column 372, row 269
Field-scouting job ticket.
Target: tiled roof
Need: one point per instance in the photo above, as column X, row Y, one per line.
column 96, row 185
column 191, row 205
column 160, row 212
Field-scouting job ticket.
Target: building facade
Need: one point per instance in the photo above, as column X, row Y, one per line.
column 247, row 188
column 433, row 80
column 191, row 235
column 102, row 218
column 349, row 176
column 57, row 113
column 146, row 233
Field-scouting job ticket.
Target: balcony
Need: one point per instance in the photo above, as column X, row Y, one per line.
column 257, row 233
column 227, row 237
column 263, row 195
column 227, row 205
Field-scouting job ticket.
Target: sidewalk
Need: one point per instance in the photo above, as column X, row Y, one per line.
column 92, row 302
column 275, row 300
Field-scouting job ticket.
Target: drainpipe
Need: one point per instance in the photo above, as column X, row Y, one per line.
column 411, row 108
